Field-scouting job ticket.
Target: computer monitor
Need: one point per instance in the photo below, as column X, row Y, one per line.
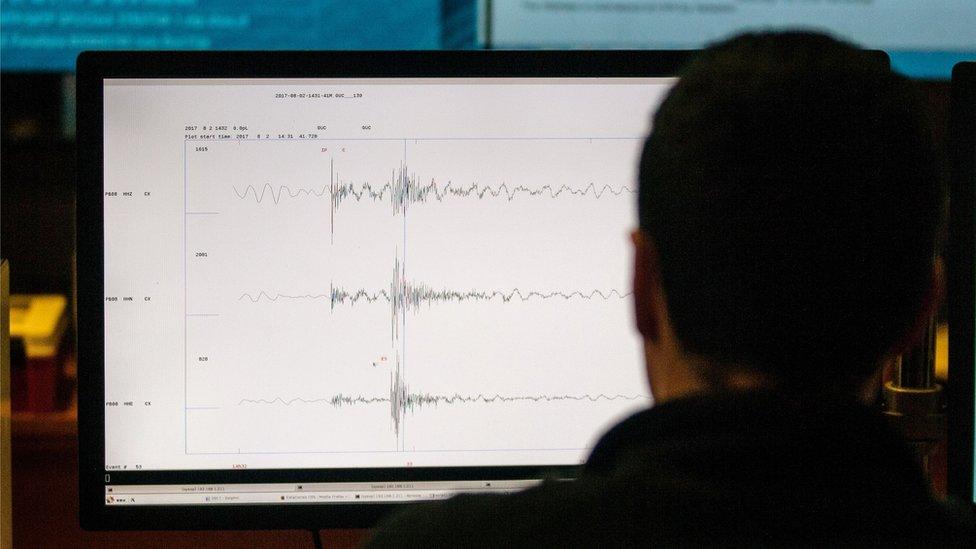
column 961, row 304
column 921, row 43
column 315, row 286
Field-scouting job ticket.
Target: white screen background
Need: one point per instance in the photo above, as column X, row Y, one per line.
column 377, row 273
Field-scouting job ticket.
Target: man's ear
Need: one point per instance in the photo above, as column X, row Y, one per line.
column 647, row 286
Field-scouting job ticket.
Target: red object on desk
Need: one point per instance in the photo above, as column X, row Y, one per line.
column 38, row 324
column 44, row 380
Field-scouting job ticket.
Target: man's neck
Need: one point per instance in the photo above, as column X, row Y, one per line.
column 677, row 375
column 673, row 376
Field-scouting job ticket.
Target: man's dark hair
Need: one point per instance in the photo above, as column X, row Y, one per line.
column 795, row 200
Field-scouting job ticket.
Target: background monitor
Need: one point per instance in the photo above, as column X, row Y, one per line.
column 47, row 36
column 923, row 42
column 313, row 286
column 961, row 305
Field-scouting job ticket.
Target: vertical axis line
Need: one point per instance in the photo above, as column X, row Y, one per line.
column 332, row 207
column 186, row 310
column 403, row 327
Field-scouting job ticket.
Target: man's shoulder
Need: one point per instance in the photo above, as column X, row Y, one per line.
column 667, row 513
column 749, row 469
column 555, row 513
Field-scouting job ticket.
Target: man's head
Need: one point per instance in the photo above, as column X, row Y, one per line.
column 790, row 208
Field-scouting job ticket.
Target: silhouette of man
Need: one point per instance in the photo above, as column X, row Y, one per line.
column 790, row 213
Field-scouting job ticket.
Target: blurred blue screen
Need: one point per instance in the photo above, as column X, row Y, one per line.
column 924, row 39
column 46, row 35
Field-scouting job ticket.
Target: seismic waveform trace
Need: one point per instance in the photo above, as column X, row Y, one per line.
column 404, row 189
column 405, row 296
column 402, row 399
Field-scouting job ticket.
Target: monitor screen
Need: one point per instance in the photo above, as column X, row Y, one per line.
column 923, row 43
column 365, row 289
column 48, row 35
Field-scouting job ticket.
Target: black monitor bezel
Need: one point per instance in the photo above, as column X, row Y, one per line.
column 92, row 68
column 961, row 264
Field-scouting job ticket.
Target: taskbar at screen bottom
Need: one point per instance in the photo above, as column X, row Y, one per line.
column 303, row 493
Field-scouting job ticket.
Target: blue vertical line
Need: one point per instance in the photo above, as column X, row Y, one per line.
column 185, row 308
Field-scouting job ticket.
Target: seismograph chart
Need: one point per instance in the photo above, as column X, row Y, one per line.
column 502, row 256
column 375, row 273
column 370, row 273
